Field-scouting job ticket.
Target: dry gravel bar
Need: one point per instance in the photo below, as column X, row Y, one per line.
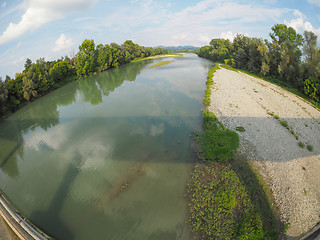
column 291, row 172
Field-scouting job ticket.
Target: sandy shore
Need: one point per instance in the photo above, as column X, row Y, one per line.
column 291, row 172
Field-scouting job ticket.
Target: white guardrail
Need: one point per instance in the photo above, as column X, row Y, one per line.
column 18, row 224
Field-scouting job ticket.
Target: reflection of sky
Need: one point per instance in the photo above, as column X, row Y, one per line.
column 141, row 122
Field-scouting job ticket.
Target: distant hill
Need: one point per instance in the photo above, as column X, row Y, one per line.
column 178, row 48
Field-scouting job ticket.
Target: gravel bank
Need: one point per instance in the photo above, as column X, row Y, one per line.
column 292, row 172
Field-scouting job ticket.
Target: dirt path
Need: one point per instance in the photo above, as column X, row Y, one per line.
column 292, row 172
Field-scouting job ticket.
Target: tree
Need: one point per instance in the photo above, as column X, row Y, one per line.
column 60, row 71
column 29, row 89
column 27, row 64
column 86, row 58
column 311, row 54
column 3, row 97
column 285, row 52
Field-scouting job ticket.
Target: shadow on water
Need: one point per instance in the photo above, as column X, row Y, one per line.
column 50, row 217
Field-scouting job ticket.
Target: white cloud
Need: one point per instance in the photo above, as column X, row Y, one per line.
column 207, row 19
column 300, row 25
column 228, row 35
column 4, row 4
column 63, row 43
column 39, row 12
column 316, row 2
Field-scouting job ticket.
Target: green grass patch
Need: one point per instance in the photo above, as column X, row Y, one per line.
column 240, row 129
column 209, row 83
column 284, row 123
column 161, row 63
column 221, row 206
column 216, row 142
column 276, row 117
column 310, row 147
column 159, row 56
column 301, row 144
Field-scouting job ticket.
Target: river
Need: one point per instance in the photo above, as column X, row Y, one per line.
column 108, row 156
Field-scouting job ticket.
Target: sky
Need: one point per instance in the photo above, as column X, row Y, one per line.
column 51, row 29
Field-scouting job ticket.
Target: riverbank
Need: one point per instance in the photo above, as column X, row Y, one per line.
column 279, row 137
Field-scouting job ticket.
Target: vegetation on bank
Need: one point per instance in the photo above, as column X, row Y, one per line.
column 226, row 198
column 161, row 63
column 42, row 76
column 279, row 59
column 159, row 56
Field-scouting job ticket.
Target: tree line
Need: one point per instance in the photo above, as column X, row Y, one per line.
column 41, row 76
column 289, row 58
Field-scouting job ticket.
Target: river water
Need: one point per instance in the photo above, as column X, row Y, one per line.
column 108, row 156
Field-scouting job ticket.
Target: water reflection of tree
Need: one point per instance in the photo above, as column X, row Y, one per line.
column 42, row 113
column 94, row 87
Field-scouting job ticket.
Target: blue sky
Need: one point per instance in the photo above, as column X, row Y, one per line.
column 54, row 28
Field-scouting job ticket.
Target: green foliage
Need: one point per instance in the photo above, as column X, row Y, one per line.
column 310, row 147
column 301, row 144
column 276, row 117
column 3, row 98
column 60, row 71
column 209, row 83
column 220, row 207
column 86, row 58
column 284, row 123
column 42, row 76
column 240, row 129
column 219, row 50
column 216, row 142
column 312, row 88
column 161, row 63
column 279, row 60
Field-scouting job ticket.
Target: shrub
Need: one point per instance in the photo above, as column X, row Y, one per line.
column 310, row 147
column 284, row 123
column 301, row 144
column 312, row 88
column 240, row 129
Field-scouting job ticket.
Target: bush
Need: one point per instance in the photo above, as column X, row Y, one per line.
column 312, row 88
column 284, row 123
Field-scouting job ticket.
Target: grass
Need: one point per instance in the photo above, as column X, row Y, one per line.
column 240, row 129
column 276, row 117
column 301, row 144
column 209, row 83
column 227, row 201
column 159, row 56
column 161, row 63
column 216, row 142
column 310, row 147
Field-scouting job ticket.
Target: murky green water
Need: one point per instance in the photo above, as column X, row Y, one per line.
column 107, row 157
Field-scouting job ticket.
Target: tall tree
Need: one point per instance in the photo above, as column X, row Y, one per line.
column 86, row 58
column 285, row 52
column 312, row 55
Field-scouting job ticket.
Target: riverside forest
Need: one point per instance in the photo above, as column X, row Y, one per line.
column 42, row 76
column 225, row 196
